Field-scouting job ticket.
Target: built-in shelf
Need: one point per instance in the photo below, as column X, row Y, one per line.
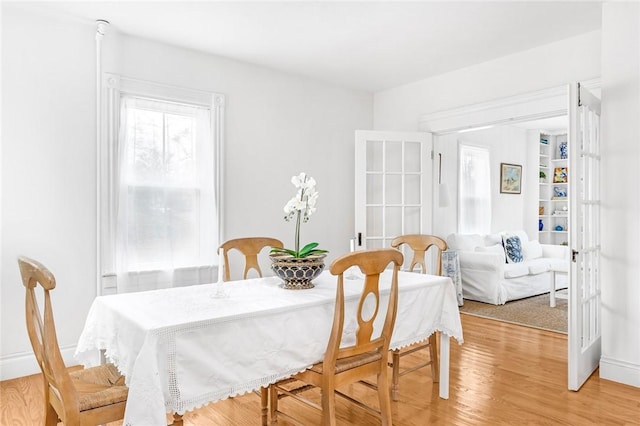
column 548, row 202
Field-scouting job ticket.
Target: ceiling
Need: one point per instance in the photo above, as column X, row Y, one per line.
column 362, row 45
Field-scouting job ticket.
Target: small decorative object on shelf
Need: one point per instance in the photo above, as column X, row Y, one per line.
column 299, row 266
column 544, row 141
column 559, row 192
column 559, row 228
column 543, row 176
column 541, row 210
column 563, row 150
column 540, row 225
column 561, row 175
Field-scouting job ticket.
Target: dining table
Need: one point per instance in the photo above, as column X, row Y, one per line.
column 183, row 347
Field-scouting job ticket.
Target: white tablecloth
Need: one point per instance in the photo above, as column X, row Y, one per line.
column 181, row 348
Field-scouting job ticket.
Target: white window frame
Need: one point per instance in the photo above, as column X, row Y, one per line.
column 114, row 86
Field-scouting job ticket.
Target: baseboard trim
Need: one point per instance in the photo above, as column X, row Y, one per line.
column 620, row 371
column 25, row 364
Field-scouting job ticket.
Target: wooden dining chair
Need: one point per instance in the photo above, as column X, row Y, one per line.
column 91, row 396
column 420, row 244
column 249, row 247
column 366, row 357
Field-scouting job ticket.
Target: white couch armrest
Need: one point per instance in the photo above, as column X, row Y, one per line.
column 482, row 274
column 555, row 251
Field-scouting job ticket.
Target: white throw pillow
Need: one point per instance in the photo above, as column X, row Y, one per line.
column 533, row 250
column 492, row 239
column 465, row 242
column 496, row 248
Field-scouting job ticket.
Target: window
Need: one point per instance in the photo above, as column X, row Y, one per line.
column 474, row 202
column 163, row 182
column 166, row 176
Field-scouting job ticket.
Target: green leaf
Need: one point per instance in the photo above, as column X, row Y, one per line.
column 306, row 249
column 317, row 251
column 310, row 249
column 278, row 250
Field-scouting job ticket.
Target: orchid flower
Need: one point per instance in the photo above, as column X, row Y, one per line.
column 302, row 206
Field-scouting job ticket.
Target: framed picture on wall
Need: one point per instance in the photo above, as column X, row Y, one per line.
column 510, row 178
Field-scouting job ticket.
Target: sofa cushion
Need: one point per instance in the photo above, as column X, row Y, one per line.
column 538, row 266
column 560, row 265
column 533, row 250
column 513, row 248
column 515, row 270
column 465, row 241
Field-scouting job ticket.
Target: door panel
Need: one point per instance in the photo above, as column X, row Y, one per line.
column 394, row 175
column 584, row 227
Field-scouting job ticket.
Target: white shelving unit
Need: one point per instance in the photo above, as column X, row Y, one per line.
column 553, row 206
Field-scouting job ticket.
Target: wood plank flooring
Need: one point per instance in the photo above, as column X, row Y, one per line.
column 503, row 374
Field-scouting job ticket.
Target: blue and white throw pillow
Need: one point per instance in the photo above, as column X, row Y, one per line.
column 513, row 249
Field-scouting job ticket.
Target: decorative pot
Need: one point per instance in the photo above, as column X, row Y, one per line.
column 563, row 150
column 540, row 225
column 297, row 273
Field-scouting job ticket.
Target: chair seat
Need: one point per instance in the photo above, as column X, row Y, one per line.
column 349, row 363
column 99, row 386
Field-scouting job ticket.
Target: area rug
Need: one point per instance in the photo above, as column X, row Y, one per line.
column 531, row 312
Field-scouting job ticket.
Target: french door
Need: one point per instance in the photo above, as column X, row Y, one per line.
column 584, row 235
column 393, row 186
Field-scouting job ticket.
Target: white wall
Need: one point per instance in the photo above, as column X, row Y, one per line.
column 276, row 126
column 620, row 202
column 506, row 144
column 48, row 172
column 551, row 65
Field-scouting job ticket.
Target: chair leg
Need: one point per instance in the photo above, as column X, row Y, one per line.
column 395, row 374
column 264, row 408
column 435, row 360
column 51, row 417
column 177, row 420
column 273, row 403
column 383, row 397
column 328, row 405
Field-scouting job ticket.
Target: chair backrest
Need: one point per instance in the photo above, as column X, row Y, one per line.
column 371, row 263
column 249, row 247
column 42, row 332
column 420, row 243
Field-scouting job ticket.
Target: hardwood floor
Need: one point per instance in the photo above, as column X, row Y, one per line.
column 503, row 374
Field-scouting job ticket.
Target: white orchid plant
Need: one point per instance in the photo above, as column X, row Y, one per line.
column 301, row 206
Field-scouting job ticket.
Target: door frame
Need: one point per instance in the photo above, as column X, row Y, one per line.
column 537, row 105
column 531, row 106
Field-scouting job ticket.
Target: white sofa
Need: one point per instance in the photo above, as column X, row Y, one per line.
column 487, row 277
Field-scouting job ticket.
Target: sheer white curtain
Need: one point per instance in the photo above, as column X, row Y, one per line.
column 166, row 225
column 474, row 190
